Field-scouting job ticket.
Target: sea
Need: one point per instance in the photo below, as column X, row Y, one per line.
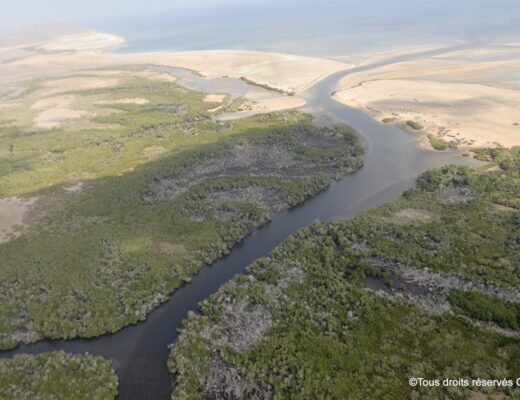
column 327, row 28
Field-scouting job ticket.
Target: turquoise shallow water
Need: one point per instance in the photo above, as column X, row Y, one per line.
column 326, row 28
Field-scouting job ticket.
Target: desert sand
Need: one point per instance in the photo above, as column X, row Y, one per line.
column 8, row 105
column 279, row 103
column 504, row 73
column 282, row 71
column 497, row 66
column 153, row 75
column 53, row 102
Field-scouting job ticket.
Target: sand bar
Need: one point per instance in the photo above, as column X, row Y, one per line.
column 471, row 115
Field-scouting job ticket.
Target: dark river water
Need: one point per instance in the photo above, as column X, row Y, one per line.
column 392, row 161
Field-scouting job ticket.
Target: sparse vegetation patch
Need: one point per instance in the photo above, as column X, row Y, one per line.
column 440, row 144
column 414, row 125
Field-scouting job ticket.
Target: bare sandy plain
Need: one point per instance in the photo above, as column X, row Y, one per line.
column 468, row 97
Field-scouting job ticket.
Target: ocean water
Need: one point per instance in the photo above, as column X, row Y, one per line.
column 327, row 28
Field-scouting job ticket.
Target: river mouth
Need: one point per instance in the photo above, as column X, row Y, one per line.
column 393, row 159
column 230, row 86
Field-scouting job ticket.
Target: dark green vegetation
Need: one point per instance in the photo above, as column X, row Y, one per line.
column 440, row 144
column 388, row 120
column 50, row 376
column 486, row 308
column 353, row 309
column 498, row 156
column 169, row 190
column 414, row 125
column 264, row 86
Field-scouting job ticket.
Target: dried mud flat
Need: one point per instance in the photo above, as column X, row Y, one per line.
column 12, row 211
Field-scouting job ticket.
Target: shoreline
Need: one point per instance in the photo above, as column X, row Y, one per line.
column 90, row 50
column 471, row 122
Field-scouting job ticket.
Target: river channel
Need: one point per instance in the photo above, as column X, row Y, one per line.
column 393, row 159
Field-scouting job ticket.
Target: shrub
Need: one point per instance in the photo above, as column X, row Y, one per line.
column 389, row 120
column 440, row 144
column 414, row 125
column 485, row 308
